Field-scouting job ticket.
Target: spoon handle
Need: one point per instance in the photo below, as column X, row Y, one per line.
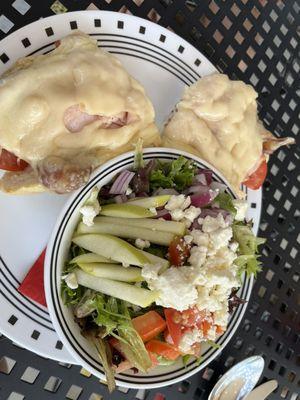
column 262, row 391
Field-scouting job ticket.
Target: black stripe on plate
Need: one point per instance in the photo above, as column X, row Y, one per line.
column 20, row 302
column 153, row 45
column 56, row 303
column 144, row 58
column 22, row 311
column 152, row 62
column 194, row 78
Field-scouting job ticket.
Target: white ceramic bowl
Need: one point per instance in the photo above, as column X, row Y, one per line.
column 62, row 317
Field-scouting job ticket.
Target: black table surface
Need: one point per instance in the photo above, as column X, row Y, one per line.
column 256, row 41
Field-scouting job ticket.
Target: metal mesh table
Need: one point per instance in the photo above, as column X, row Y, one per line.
column 256, row 41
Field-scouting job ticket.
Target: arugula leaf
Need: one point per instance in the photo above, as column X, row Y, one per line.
column 71, row 296
column 186, row 358
column 159, row 179
column 247, row 261
column 224, row 201
column 164, row 361
column 212, row 344
column 199, row 360
column 178, row 174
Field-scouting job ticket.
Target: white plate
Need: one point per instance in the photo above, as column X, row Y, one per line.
column 163, row 63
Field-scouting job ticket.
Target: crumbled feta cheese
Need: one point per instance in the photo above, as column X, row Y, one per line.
column 221, row 316
column 241, row 207
column 175, row 286
column 150, row 271
column 91, row 208
column 188, row 339
column 153, row 210
column 142, row 244
column 192, row 213
column 198, row 256
column 188, row 239
column 177, row 214
column 178, row 202
column 125, row 265
column 128, row 191
column 210, row 224
column 234, row 246
column 220, row 237
column 200, row 238
column 71, row 280
column 211, row 333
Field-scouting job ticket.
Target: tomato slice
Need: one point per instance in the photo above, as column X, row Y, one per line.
column 149, row 325
column 10, row 162
column 174, row 327
column 179, row 251
column 255, row 180
column 162, row 349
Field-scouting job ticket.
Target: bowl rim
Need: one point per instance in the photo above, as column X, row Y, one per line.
column 151, row 152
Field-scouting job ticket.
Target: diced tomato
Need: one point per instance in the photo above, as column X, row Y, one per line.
column 256, row 179
column 205, row 326
column 10, row 162
column 174, row 328
column 149, row 325
column 179, row 251
column 168, row 337
column 162, row 349
column 219, row 329
column 153, row 359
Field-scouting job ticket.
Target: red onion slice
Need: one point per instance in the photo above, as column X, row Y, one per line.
column 200, row 178
column 163, row 213
column 204, row 197
column 218, row 186
column 121, row 184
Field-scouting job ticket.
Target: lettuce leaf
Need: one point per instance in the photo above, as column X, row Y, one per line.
column 247, row 261
column 178, row 174
column 224, row 201
column 132, row 345
column 138, row 155
column 104, row 352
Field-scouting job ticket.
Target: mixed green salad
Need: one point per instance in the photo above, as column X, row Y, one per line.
column 155, row 264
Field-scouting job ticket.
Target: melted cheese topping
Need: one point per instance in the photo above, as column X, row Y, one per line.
column 217, row 120
column 36, row 92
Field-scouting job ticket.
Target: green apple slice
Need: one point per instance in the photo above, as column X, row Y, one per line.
column 121, row 290
column 112, row 271
column 128, row 232
column 90, row 258
column 126, row 210
column 153, row 259
column 178, row 228
column 111, row 247
column 154, row 201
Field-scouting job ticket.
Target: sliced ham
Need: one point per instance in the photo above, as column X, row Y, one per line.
column 271, row 143
column 75, row 119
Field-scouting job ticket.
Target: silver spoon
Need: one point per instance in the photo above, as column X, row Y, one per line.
column 239, row 380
